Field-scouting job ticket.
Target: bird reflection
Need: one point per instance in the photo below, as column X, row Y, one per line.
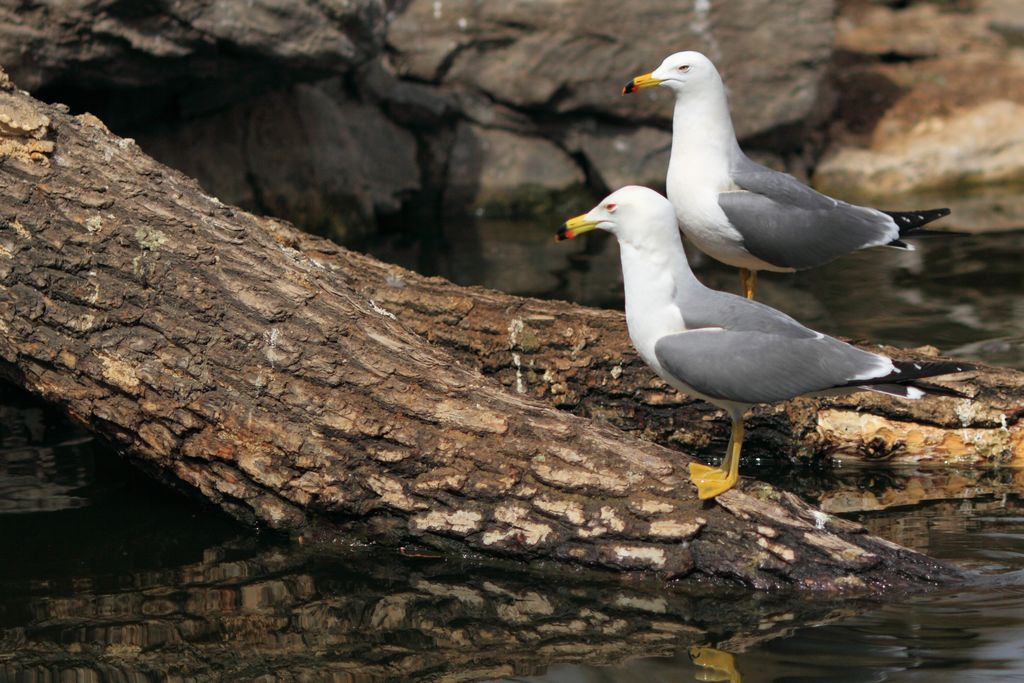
column 715, row 664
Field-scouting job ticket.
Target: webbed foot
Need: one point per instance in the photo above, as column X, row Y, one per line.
column 711, row 481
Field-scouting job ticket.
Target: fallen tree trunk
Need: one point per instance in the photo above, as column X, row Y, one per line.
column 262, row 376
column 580, row 359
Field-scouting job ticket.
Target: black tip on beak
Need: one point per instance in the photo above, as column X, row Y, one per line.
column 563, row 233
column 628, row 88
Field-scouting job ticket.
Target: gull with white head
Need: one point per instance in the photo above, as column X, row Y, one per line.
column 723, row 348
column 745, row 214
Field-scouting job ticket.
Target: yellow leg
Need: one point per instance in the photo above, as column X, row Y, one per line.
column 711, row 481
column 749, row 280
column 718, row 665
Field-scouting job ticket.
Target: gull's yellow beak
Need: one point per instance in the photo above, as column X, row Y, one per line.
column 575, row 226
column 639, row 83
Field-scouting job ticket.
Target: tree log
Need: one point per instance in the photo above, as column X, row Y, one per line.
column 280, row 377
column 580, row 359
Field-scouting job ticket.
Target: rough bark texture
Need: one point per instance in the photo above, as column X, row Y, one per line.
column 580, row 359
column 287, row 385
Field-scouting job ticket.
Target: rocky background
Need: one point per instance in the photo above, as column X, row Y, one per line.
column 341, row 115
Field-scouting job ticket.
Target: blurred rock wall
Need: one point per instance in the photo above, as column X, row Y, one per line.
column 337, row 113
column 931, row 100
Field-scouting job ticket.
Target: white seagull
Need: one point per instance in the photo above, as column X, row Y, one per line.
column 723, row 348
column 745, row 214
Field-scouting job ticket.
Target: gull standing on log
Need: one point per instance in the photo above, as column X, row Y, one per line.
column 722, row 348
column 745, row 214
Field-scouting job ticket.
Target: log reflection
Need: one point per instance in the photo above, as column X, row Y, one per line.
column 366, row 614
column 148, row 594
column 858, row 489
column 40, row 468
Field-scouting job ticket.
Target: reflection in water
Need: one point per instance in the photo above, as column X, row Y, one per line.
column 717, row 665
column 243, row 612
column 959, row 293
column 945, row 637
column 139, row 584
column 849, row 489
column 32, row 476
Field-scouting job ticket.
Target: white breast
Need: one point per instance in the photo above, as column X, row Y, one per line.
column 705, row 224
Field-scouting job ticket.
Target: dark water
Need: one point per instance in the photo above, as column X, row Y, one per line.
column 107, row 575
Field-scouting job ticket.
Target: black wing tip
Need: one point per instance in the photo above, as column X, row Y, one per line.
column 915, row 371
column 909, row 373
column 938, row 390
column 908, row 221
column 931, row 368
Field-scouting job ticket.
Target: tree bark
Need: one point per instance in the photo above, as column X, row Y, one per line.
column 304, row 387
column 580, row 359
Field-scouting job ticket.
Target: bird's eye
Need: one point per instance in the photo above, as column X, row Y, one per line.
column 684, row 67
column 610, row 207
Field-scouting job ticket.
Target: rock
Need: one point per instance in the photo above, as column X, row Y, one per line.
column 931, row 100
column 621, row 155
column 479, row 108
column 328, row 162
column 358, row 152
column 1005, row 18
column 503, row 172
column 572, row 56
column 210, row 149
column 524, row 73
column 532, row 87
column 1012, row 31
column 976, row 145
column 408, row 103
column 979, row 209
column 919, row 31
column 330, row 35
column 131, row 44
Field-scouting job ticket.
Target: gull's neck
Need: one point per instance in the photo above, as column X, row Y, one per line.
column 703, row 140
column 657, row 280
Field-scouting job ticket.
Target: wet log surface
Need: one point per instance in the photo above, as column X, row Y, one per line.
column 310, row 389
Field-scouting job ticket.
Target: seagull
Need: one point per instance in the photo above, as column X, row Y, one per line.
column 725, row 349
column 745, row 214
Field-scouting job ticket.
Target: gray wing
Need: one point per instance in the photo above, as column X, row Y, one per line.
column 705, row 307
column 787, row 224
column 759, row 367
